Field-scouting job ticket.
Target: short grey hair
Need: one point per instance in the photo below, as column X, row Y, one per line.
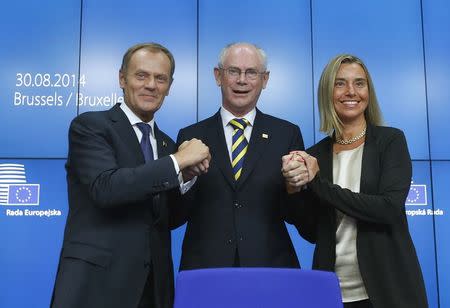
column 259, row 50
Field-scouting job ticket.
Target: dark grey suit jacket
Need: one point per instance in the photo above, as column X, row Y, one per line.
column 386, row 254
column 118, row 215
column 247, row 216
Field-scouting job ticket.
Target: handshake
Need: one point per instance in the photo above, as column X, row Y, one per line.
column 298, row 168
column 193, row 158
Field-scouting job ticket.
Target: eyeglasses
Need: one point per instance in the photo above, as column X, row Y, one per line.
column 234, row 72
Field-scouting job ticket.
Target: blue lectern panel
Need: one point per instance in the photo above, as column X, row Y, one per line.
column 437, row 47
column 38, row 78
column 33, row 210
column 441, row 178
column 387, row 37
column 111, row 27
column 283, row 31
column 419, row 210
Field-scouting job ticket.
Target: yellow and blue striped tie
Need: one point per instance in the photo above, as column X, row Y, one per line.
column 239, row 146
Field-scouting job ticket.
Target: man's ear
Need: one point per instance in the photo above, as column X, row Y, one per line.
column 168, row 90
column 265, row 79
column 122, row 79
column 170, row 85
column 217, row 76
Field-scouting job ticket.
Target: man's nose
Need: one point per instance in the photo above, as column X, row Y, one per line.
column 242, row 78
column 150, row 82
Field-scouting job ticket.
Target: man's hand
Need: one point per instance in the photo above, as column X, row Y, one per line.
column 193, row 158
column 294, row 171
column 196, row 170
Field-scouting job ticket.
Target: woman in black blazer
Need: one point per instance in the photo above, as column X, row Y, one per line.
column 353, row 208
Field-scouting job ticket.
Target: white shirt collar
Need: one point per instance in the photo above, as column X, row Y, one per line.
column 134, row 119
column 228, row 116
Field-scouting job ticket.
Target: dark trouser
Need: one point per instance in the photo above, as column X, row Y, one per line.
column 359, row 304
column 148, row 294
column 237, row 262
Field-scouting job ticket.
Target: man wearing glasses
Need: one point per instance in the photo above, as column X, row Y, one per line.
column 235, row 213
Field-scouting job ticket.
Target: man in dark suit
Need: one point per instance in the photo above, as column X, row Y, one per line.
column 236, row 212
column 121, row 183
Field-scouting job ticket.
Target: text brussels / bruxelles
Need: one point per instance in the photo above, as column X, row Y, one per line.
column 56, row 99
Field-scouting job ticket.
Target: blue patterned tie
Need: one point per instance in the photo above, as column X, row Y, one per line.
column 239, row 146
column 146, row 146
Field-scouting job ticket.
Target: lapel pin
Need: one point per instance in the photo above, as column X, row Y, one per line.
column 164, row 143
column 265, row 136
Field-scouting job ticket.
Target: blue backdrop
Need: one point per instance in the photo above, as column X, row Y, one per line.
column 61, row 58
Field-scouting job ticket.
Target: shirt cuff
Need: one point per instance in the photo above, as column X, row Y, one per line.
column 175, row 164
column 184, row 187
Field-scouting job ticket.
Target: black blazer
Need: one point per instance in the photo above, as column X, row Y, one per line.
column 248, row 216
column 118, row 216
column 386, row 254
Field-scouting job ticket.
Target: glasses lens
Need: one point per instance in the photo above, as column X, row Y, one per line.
column 233, row 71
column 251, row 74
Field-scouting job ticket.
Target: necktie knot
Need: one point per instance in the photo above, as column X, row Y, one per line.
column 144, row 128
column 239, row 123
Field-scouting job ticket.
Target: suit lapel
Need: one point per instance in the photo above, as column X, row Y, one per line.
column 368, row 159
column 259, row 140
column 162, row 144
column 326, row 160
column 124, row 129
column 218, row 148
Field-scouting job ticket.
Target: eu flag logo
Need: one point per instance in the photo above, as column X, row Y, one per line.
column 417, row 195
column 14, row 189
column 24, row 194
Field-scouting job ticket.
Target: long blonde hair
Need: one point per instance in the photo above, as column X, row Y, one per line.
column 329, row 120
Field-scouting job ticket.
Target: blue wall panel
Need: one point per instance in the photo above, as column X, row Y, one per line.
column 420, row 220
column 387, row 37
column 441, row 180
column 31, row 244
column 437, row 47
column 38, row 78
column 110, row 27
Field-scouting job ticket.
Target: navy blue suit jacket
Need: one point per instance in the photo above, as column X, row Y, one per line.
column 248, row 216
column 118, row 215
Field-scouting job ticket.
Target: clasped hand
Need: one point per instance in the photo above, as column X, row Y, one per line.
column 196, row 157
column 298, row 169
